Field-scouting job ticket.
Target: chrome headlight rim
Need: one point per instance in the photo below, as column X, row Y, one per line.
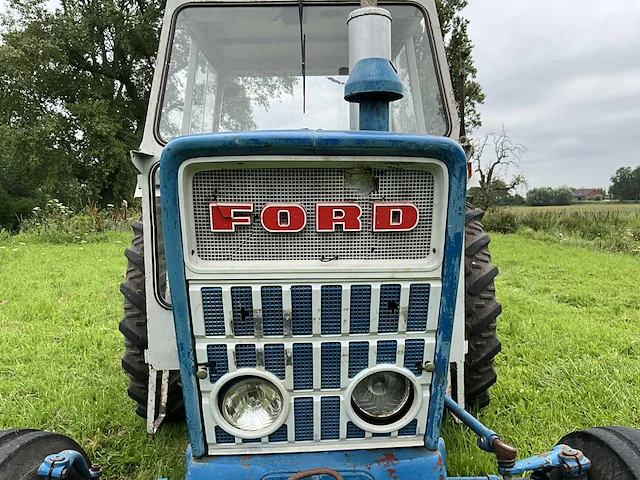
column 398, row 421
column 222, row 386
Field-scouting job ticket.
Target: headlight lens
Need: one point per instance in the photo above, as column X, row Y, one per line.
column 252, row 404
column 382, row 396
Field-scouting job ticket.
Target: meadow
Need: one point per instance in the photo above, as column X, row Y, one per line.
column 609, row 226
column 570, row 359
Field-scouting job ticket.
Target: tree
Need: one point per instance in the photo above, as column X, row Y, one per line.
column 563, row 196
column 625, row 184
column 458, row 47
column 541, row 196
column 505, row 154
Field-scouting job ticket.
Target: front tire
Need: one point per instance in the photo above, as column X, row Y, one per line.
column 22, row 450
column 614, row 452
column 481, row 312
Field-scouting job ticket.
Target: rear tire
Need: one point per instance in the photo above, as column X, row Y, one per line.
column 481, row 312
column 22, row 450
column 134, row 328
column 614, row 452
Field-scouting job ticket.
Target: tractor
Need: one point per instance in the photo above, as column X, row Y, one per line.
column 308, row 286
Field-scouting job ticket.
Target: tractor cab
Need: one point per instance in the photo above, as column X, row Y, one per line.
column 272, row 65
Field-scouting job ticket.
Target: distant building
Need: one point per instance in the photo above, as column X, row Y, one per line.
column 586, row 194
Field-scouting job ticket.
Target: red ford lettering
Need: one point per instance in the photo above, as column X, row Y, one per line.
column 280, row 217
column 345, row 214
column 394, row 216
column 226, row 215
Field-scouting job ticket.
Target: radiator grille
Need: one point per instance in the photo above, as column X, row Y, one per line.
column 317, row 369
column 308, row 186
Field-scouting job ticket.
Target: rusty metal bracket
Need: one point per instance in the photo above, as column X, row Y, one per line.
column 153, row 422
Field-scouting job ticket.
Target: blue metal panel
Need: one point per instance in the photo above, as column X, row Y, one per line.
column 224, row 437
column 272, row 320
column 242, row 304
column 280, row 435
column 245, row 356
column 360, row 309
column 358, row 357
column 414, row 355
column 303, row 418
column 305, row 142
column 212, row 311
column 387, row 351
column 274, row 360
column 329, row 418
column 353, row 431
column 330, row 365
column 301, row 310
column 389, row 308
column 409, row 429
column 330, row 309
column 418, row 307
column 302, row 366
column 374, row 464
column 218, row 361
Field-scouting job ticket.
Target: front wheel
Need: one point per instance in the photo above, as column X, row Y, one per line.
column 22, row 450
column 614, row 452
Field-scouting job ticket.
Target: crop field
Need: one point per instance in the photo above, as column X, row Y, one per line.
column 604, row 206
column 570, row 330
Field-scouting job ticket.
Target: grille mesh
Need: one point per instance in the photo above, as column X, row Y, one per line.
column 308, row 186
column 418, row 307
column 274, row 360
column 272, row 320
column 303, row 418
column 360, row 309
column 301, row 310
column 331, row 309
column 302, row 366
column 212, row 311
column 330, row 365
column 330, row 414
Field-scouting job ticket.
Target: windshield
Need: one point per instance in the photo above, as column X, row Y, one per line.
column 240, row 68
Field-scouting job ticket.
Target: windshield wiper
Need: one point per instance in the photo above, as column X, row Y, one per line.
column 303, row 48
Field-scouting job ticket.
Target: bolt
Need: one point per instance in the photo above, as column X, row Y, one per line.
column 55, row 458
column 202, row 373
column 95, row 467
column 63, row 472
column 429, row 367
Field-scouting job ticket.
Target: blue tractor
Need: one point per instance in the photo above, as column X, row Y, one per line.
column 315, row 274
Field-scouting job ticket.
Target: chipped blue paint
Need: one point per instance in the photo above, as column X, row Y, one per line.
column 373, row 83
column 416, row 462
column 308, row 142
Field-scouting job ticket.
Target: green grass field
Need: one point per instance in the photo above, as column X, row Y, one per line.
column 570, row 330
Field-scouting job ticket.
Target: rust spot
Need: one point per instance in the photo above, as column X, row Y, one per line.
column 439, row 462
column 391, row 472
column 441, row 477
column 367, row 466
column 244, row 460
column 387, row 459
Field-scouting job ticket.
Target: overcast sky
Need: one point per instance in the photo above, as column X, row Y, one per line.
column 564, row 79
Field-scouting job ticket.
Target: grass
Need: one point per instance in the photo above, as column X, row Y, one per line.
column 571, row 355
column 613, row 227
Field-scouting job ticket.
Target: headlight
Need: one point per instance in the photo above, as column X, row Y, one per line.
column 382, row 397
column 252, row 404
